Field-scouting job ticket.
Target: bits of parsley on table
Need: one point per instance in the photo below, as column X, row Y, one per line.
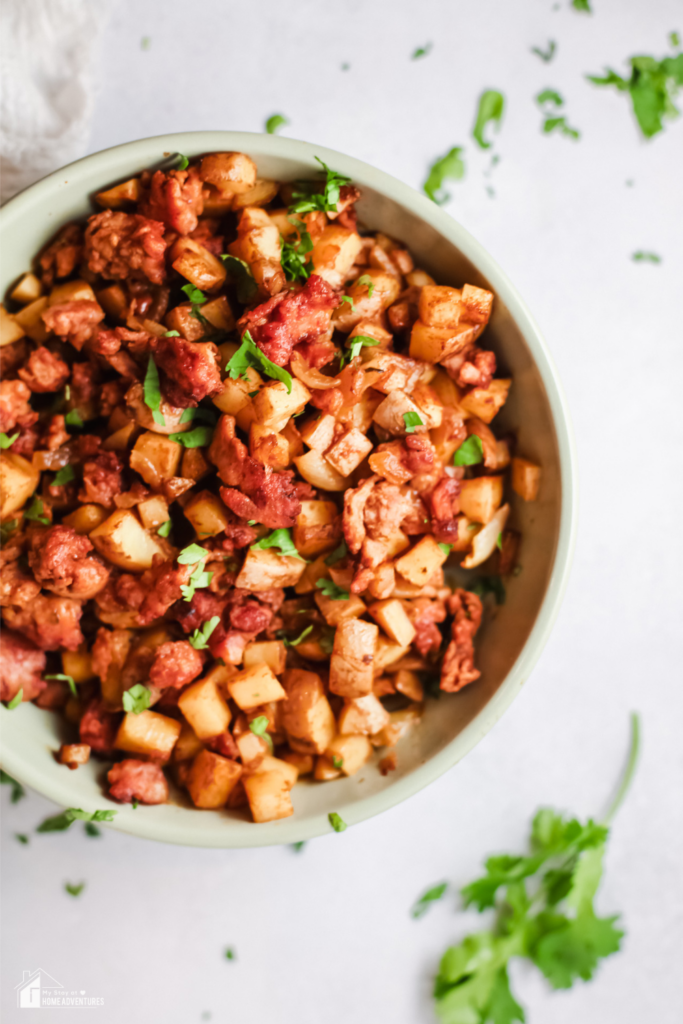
column 652, row 85
column 543, row 904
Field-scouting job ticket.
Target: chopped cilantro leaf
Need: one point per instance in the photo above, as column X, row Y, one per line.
column 241, row 277
column 331, row 590
column 192, row 554
column 73, row 419
column 499, row 542
column 18, row 790
column 22, row 838
column 60, row 822
column 274, row 122
column 294, row 264
column 92, row 830
column 412, row 420
column 6, row 442
column 547, row 54
column 337, row 761
column 336, row 822
column 172, row 334
column 345, row 66
column 446, row 548
column 646, row 257
column 199, row 580
column 450, row 167
column 302, row 636
column 7, row 529
column 490, row 110
column 421, row 906
column 309, row 198
column 137, row 699
column 560, row 124
column 152, row 392
column 200, row 637
column 470, row 452
column 135, row 802
column 16, row 700
column 281, row 539
column 259, row 725
column 199, row 437
column 652, row 85
column 74, row 890
column 249, row 354
column 165, row 528
column 337, row 555
column 35, row 512
column 489, row 585
column 145, row 43
column 582, row 5
column 298, row 847
column 366, row 280
column 64, row 476
column 674, row 39
column 349, row 299
column 230, row 954
column 421, row 51
column 197, row 299
column 183, row 162
column 60, row 677
column 358, row 342
column 549, row 96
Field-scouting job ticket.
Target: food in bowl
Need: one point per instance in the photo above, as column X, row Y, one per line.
column 241, row 439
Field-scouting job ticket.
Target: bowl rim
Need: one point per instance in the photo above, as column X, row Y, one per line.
column 288, row 830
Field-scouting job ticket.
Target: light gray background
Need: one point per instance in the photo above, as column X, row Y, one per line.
column 326, row 934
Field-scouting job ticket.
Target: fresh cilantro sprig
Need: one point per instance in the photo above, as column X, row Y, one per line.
column 60, row 822
column 470, row 452
column 274, row 122
column 357, row 343
column 490, row 111
column 63, row 476
column 74, row 419
column 241, row 278
column 60, row 677
column 199, row 437
column 422, row 905
column 547, row 54
column 550, row 102
column 18, row 790
column 281, row 539
column 412, row 420
column 136, row 699
column 250, row 355
column 337, row 823
column 200, row 637
column 308, row 198
column 183, row 162
column 36, row 512
column 302, row 636
column 331, row 590
column 151, row 392
column 7, row 442
column 165, row 528
column 16, row 700
column 366, row 280
column 293, row 260
column 421, row 51
column 197, row 298
column 582, row 5
column 450, row 167
column 259, row 727
column 195, row 555
column 646, row 257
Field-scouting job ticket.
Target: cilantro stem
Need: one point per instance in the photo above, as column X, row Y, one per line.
column 629, row 770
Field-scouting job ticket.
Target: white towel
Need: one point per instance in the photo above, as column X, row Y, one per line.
column 48, row 50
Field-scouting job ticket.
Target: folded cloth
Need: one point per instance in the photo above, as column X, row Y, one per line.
column 47, row 51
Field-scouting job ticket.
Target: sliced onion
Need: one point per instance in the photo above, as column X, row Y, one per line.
column 309, row 376
column 484, row 543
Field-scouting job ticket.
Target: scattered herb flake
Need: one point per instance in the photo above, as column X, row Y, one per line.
column 16, row 700
column 560, row 124
column 421, row 51
column 281, row 539
column 200, row 637
column 412, row 420
column 309, row 198
column 337, row 555
column 652, row 85
column 326, row 640
column 349, row 299
column 446, row 548
column 165, row 528
column 198, row 437
column 7, row 529
column 74, row 890
column 230, row 954
column 73, row 419
column 172, row 334
column 674, row 39
column 145, row 43
column 92, row 830
column 6, row 442
column 18, row 790
column 65, row 679
column 249, row 354
column 421, row 906
column 450, row 167
column 183, row 162
column 135, row 803
column 64, row 476
column 582, row 5
column 366, row 280
column 35, row 512
column 646, row 257
column 137, row 699
column 293, row 260
column 490, row 110
column 152, row 392
column 192, row 554
column 60, row 822
column 298, row 847
column 274, row 122
column 197, row 299
column 330, row 589
column 302, row 636
column 241, row 278
column 337, row 823
column 357, row 343
column 470, row 452
column 547, row 54
column 22, row 838
column 337, row 761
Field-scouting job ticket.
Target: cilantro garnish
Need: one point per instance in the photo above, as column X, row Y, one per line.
column 499, row 541
column 230, row 954
column 337, row 823
column 7, row 529
column 450, row 167
column 489, row 585
column 674, row 39
column 145, row 43
column 337, row 761
column 491, row 107
column 35, row 512
column 6, row 442
column 18, row 790
column 74, row 419
column 357, row 343
column 74, row 890
column 152, row 392
column 337, row 555
column 259, row 727
column 330, row 589
column 22, row 838
column 249, row 354
column 366, row 280
column 548, row 54
column 16, row 700
column 172, row 334
column 60, row 677
column 137, row 699
column 653, row 84
column 194, row 555
column 274, row 122
column 241, row 277
column 92, row 830
column 183, row 162
column 200, row 437
column 135, row 802
column 197, row 299
column 446, row 548
column 309, row 199
column 349, row 299
column 165, row 528
column 200, row 637
column 64, row 476
column 302, row 636
column 550, row 102
column 421, row 906
column 281, row 539
column 582, row 5
column 421, row 51
column 293, row 263
column 412, row 420
column 646, row 257
column 544, row 913
column 60, row 822
column 298, row 847
column 470, row 452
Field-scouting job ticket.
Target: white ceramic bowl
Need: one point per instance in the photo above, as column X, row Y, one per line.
column 508, row 645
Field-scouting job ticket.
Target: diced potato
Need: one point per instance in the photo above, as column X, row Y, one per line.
column 387, row 653
column 272, row 653
column 120, row 440
column 78, row 665
column 148, row 733
column 350, row 753
column 359, row 414
column 399, row 373
column 255, row 686
column 363, row 716
column 235, row 398
column 307, row 717
column 212, row 779
column 449, row 393
column 351, row 664
column 314, row 571
column 419, row 278
column 153, row 512
column 268, row 790
column 268, row 447
column 433, row 344
column 114, row 301
column 86, row 518
column 316, row 470
column 389, row 414
column 30, row 319
column 188, row 744
column 479, row 498
column 440, row 306
column 318, row 432
column 303, row 763
column 478, row 303
column 265, row 568
column 124, row 542
column 372, row 329
column 526, row 478
column 389, row 465
column 349, row 451
column 195, row 464
column 467, row 531
column 336, row 611
column 219, row 314
column 324, row 770
column 365, row 306
column 392, row 617
column 273, row 406
column 382, row 586
column 317, row 528
column 120, row 196
column 296, row 445
column 10, row 329
column 199, row 266
column 486, row 402
column 207, row 513
column 421, row 562
column 260, row 194
column 205, row 708
column 485, row 541
column 71, row 291
column 400, row 722
column 334, row 253
column 408, row 683
column 27, row 290
column 180, row 319
column 229, row 173
column 74, row 754
column 112, row 682
column 156, row 458
column 18, row 480
column 252, row 748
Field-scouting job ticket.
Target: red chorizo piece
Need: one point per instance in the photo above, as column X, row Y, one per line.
column 55, row 433
column 473, row 367
column 250, row 616
column 85, row 387
column 191, row 369
column 223, row 745
column 16, row 586
column 137, row 780
column 50, row 622
column 44, row 371
column 21, row 666
column 62, row 256
column 291, row 317
column 444, row 505
column 112, row 396
column 424, row 614
column 162, row 584
column 175, row 664
column 204, row 606
column 98, row 727
column 419, row 454
column 176, row 199
column 12, row 357
column 457, row 669
column 73, row 321
column 119, row 245
column 62, row 562
column 102, row 479
column 205, row 234
column 14, row 406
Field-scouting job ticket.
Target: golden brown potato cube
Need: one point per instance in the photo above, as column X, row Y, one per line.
column 205, row 708
column 526, row 478
column 197, row 264
column 156, row 458
column 318, row 432
column 10, row 329
column 448, row 436
column 440, row 306
column 387, row 653
column 350, row 753
column 436, row 343
column 148, row 733
column 219, row 314
column 265, row 568
column 408, row 683
column 429, row 405
column 400, row 722
column 307, row 717
column 318, row 528
column 252, row 748
column 18, row 480
column 120, row 196
column 421, row 562
column 229, row 173
column 268, row 791
column 314, row 571
column 418, row 278
column 467, row 531
column 257, row 237
column 479, row 498
column 485, row 541
column 123, row 541
column 235, row 397
column 274, row 406
column 334, row 253
column 27, row 290
column 30, row 319
column 180, row 319
column 255, row 686
column 71, row 291
column 351, row 664
column 207, row 513
column 335, row 611
column 153, row 511
column 349, row 451
column 385, row 291
column 363, row 716
column 389, row 414
column 74, row 754
column 114, row 301
column 324, row 770
column 449, row 393
column 392, row 617
column 121, row 439
column 268, row 447
column 212, row 779
column 78, row 665
column 261, row 193
column 195, row 465
column 304, row 763
column 372, row 329
column 486, row 402
column 478, row 303
column 272, row 653
column 86, row 518
column 188, row 744
column 316, row 470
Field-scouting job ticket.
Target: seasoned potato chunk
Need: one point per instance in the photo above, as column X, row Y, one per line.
column 421, row 562
column 265, row 568
column 390, row 413
column 156, row 458
column 479, row 498
column 268, row 790
column 351, row 664
column 526, row 478
column 197, row 265
column 123, row 541
column 314, row 468
column 212, row 779
column 317, row 527
column 27, row 290
column 336, row 610
column 207, row 513
column 272, row 653
column 440, row 306
column 334, row 253
column 268, row 447
column 273, row 405
column 86, row 517
column 255, row 686
column 205, row 708
column 363, row 716
column 307, row 717
column 485, row 403
column 350, row 753
column 349, row 451
column 148, row 733
column 392, row 617
column 18, row 481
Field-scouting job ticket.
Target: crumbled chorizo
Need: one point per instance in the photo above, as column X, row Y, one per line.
column 457, row 669
column 14, row 406
column 290, row 318
column 176, row 199
column 444, row 505
column 44, row 371
column 62, row 561
column 191, row 369
column 62, row 256
column 16, row 586
column 102, row 479
column 424, row 614
column 477, row 368
column 137, row 780
column 98, row 727
column 119, row 245
column 50, row 622
column 21, row 666
column 175, row 664
column 74, row 321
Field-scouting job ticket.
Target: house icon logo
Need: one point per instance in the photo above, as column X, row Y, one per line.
column 30, row 988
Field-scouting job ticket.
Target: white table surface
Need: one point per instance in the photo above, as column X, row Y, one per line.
column 325, row 935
